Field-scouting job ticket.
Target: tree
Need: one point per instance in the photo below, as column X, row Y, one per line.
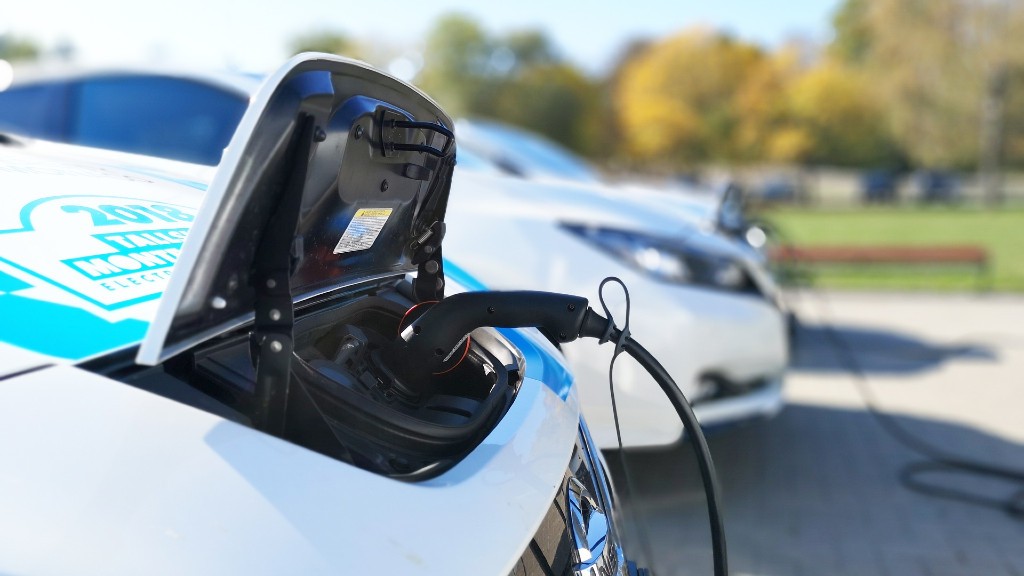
column 836, row 110
column 944, row 69
column 328, row 41
column 676, row 100
column 13, row 48
column 765, row 130
column 456, row 61
column 1013, row 137
column 555, row 100
column 518, row 78
column 852, row 32
column 703, row 97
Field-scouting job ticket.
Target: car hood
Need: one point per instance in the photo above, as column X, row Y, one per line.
column 138, row 483
column 481, row 195
column 486, row 195
column 696, row 205
column 494, row 196
column 87, row 242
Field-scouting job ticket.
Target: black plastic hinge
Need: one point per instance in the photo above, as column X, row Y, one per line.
column 394, row 135
column 275, row 260
column 426, row 250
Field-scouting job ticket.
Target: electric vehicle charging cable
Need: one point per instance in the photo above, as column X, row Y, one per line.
column 709, row 477
column 426, row 344
column 935, row 460
column 627, row 475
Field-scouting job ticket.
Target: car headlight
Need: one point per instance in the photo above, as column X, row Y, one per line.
column 667, row 259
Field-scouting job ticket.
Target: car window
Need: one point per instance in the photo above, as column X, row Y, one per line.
column 530, row 154
column 34, row 110
column 469, row 160
column 157, row 116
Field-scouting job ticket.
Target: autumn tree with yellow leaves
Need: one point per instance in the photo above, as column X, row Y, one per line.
column 702, row 97
column 675, row 101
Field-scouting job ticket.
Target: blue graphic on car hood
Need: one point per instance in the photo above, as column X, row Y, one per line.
column 30, row 323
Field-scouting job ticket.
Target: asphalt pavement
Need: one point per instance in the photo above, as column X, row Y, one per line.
column 816, row 490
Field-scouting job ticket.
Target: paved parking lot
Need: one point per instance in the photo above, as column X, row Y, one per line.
column 816, row 490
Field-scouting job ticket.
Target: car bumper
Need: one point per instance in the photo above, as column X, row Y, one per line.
column 764, row 401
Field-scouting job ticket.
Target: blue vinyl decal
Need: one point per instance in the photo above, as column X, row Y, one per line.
column 110, row 251
column 61, row 331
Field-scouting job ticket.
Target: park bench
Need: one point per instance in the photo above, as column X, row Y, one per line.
column 793, row 258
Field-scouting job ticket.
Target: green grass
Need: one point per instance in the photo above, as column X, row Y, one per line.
column 1001, row 232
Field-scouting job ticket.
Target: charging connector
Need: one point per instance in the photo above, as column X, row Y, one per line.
column 428, row 343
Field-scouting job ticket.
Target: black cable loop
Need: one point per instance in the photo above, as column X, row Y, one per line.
column 621, row 341
column 619, row 348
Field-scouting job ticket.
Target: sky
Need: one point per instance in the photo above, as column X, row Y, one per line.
column 254, row 35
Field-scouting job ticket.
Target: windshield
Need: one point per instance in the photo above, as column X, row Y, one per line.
column 469, row 160
column 156, row 116
column 164, row 116
column 524, row 153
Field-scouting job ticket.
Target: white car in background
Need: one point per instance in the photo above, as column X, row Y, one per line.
column 524, row 154
column 149, row 422
column 694, row 261
column 709, row 308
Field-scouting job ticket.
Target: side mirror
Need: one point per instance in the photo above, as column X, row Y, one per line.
column 731, row 219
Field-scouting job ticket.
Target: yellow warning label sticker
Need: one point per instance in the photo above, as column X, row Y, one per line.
column 373, row 213
column 363, row 230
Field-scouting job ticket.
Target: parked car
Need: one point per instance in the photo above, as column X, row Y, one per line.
column 778, row 189
column 709, row 308
column 735, row 377
column 938, row 186
column 151, row 324
column 879, row 186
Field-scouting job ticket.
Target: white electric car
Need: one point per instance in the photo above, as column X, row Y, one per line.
column 191, row 375
column 694, row 278
column 706, row 304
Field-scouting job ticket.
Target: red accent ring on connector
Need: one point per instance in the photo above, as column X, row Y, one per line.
column 465, row 353
column 401, row 323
